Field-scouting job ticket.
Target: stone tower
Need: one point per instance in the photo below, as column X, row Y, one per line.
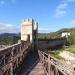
column 29, row 30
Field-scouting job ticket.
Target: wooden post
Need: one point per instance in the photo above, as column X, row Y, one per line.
column 43, row 58
column 4, row 59
column 11, row 69
column 17, row 62
column 49, row 65
column 56, row 71
column 74, row 71
column 1, row 72
column 11, row 63
column 20, row 50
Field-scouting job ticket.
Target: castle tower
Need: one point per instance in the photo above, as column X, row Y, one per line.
column 29, row 30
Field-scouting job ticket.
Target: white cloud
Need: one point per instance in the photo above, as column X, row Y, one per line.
column 43, row 30
column 72, row 22
column 8, row 28
column 61, row 9
column 62, row 6
column 70, row 0
column 6, row 2
column 2, row 2
column 60, row 13
column 13, row 1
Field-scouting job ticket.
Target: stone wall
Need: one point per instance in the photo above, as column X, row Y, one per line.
column 51, row 43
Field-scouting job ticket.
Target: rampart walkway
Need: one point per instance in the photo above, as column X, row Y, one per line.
column 20, row 60
column 38, row 70
column 33, row 66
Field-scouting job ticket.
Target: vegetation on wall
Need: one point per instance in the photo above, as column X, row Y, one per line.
column 72, row 39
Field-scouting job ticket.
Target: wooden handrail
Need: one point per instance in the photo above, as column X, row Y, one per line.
column 21, row 51
column 53, row 61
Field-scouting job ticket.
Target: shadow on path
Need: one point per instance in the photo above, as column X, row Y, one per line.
column 29, row 63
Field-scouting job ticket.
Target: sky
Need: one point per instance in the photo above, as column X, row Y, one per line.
column 51, row 15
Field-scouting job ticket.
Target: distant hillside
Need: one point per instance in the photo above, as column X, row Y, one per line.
column 71, row 30
column 57, row 34
column 71, row 38
column 12, row 38
column 9, row 38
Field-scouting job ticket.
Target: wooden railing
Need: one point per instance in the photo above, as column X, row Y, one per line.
column 12, row 57
column 52, row 66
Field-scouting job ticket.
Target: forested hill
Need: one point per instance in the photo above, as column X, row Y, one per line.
column 9, row 38
column 57, row 34
column 71, row 30
column 72, row 34
column 12, row 38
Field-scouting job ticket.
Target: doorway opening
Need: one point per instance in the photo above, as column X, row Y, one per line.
column 28, row 37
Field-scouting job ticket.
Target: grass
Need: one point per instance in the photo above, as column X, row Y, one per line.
column 71, row 49
column 55, row 53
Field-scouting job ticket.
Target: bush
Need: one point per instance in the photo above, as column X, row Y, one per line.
column 72, row 39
